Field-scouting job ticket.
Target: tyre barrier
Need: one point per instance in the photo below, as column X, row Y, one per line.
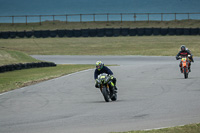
column 100, row 32
column 116, row 32
column 125, row 31
column 108, row 32
column 20, row 66
column 85, row 33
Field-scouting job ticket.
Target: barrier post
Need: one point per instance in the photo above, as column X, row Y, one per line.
column 80, row 17
column 121, row 17
column 175, row 16
column 66, row 19
column 40, row 20
column 53, row 19
column 107, row 17
column 12, row 20
column 94, row 17
column 26, row 20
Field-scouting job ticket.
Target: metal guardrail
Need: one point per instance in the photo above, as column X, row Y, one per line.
column 107, row 17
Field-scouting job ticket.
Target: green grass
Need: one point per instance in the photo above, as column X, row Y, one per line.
column 192, row 128
column 13, row 57
column 50, row 25
column 137, row 45
column 20, row 78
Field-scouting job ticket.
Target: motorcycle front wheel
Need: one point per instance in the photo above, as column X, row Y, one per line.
column 105, row 94
column 185, row 73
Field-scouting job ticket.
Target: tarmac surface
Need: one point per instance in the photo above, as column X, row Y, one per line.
column 152, row 93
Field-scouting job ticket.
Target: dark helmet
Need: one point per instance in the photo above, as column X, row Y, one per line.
column 183, row 48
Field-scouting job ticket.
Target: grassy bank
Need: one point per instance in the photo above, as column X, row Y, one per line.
column 50, row 25
column 138, row 45
column 14, row 57
column 20, row 78
column 192, row 128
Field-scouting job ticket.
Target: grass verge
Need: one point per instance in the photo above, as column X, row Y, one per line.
column 50, row 25
column 137, row 45
column 192, row 128
column 13, row 57
column 20, row 78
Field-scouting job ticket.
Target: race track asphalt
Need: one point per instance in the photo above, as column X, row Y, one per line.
column 152, row 94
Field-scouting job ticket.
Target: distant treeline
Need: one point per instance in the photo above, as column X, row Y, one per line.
column 105, row 32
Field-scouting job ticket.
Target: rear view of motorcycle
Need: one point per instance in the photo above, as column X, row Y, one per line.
column 104, row 81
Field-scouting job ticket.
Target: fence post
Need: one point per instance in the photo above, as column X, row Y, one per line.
column 175, row 16
column 26, row 20
column 94, row 17
column 148, row 16
column 107, row 17
column 66, row 19
column 135, row 16
column 12, row 20
column 121, row 17
column 53, row 19
column 40, row 20
column 161, row 17
column 80, row 17
column 188, row 16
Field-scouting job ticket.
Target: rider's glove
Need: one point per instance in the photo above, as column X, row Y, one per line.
column 177, row 58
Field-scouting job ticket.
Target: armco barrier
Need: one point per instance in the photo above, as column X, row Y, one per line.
column 20, row 66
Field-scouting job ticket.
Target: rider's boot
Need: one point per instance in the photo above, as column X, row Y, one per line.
column 181, row 69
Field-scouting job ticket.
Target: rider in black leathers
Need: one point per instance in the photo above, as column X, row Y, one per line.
column 183, row 53
column 100, row 68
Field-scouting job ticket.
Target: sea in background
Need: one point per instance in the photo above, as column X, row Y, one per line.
column 64, row 7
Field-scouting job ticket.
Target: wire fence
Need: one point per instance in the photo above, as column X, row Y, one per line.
column 100, row 17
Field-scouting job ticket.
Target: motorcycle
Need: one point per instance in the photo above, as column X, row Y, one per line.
column 104, row 80
column 185, row 66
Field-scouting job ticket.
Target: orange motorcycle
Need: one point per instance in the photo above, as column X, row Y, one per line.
column 184, row 66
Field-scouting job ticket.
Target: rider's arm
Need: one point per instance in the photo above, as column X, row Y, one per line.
column 178, row 55
column 108, row 71
column 95, row 74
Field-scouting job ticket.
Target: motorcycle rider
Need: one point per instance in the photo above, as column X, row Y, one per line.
column 100, row 68
column 184, row 52
column 190, row 57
